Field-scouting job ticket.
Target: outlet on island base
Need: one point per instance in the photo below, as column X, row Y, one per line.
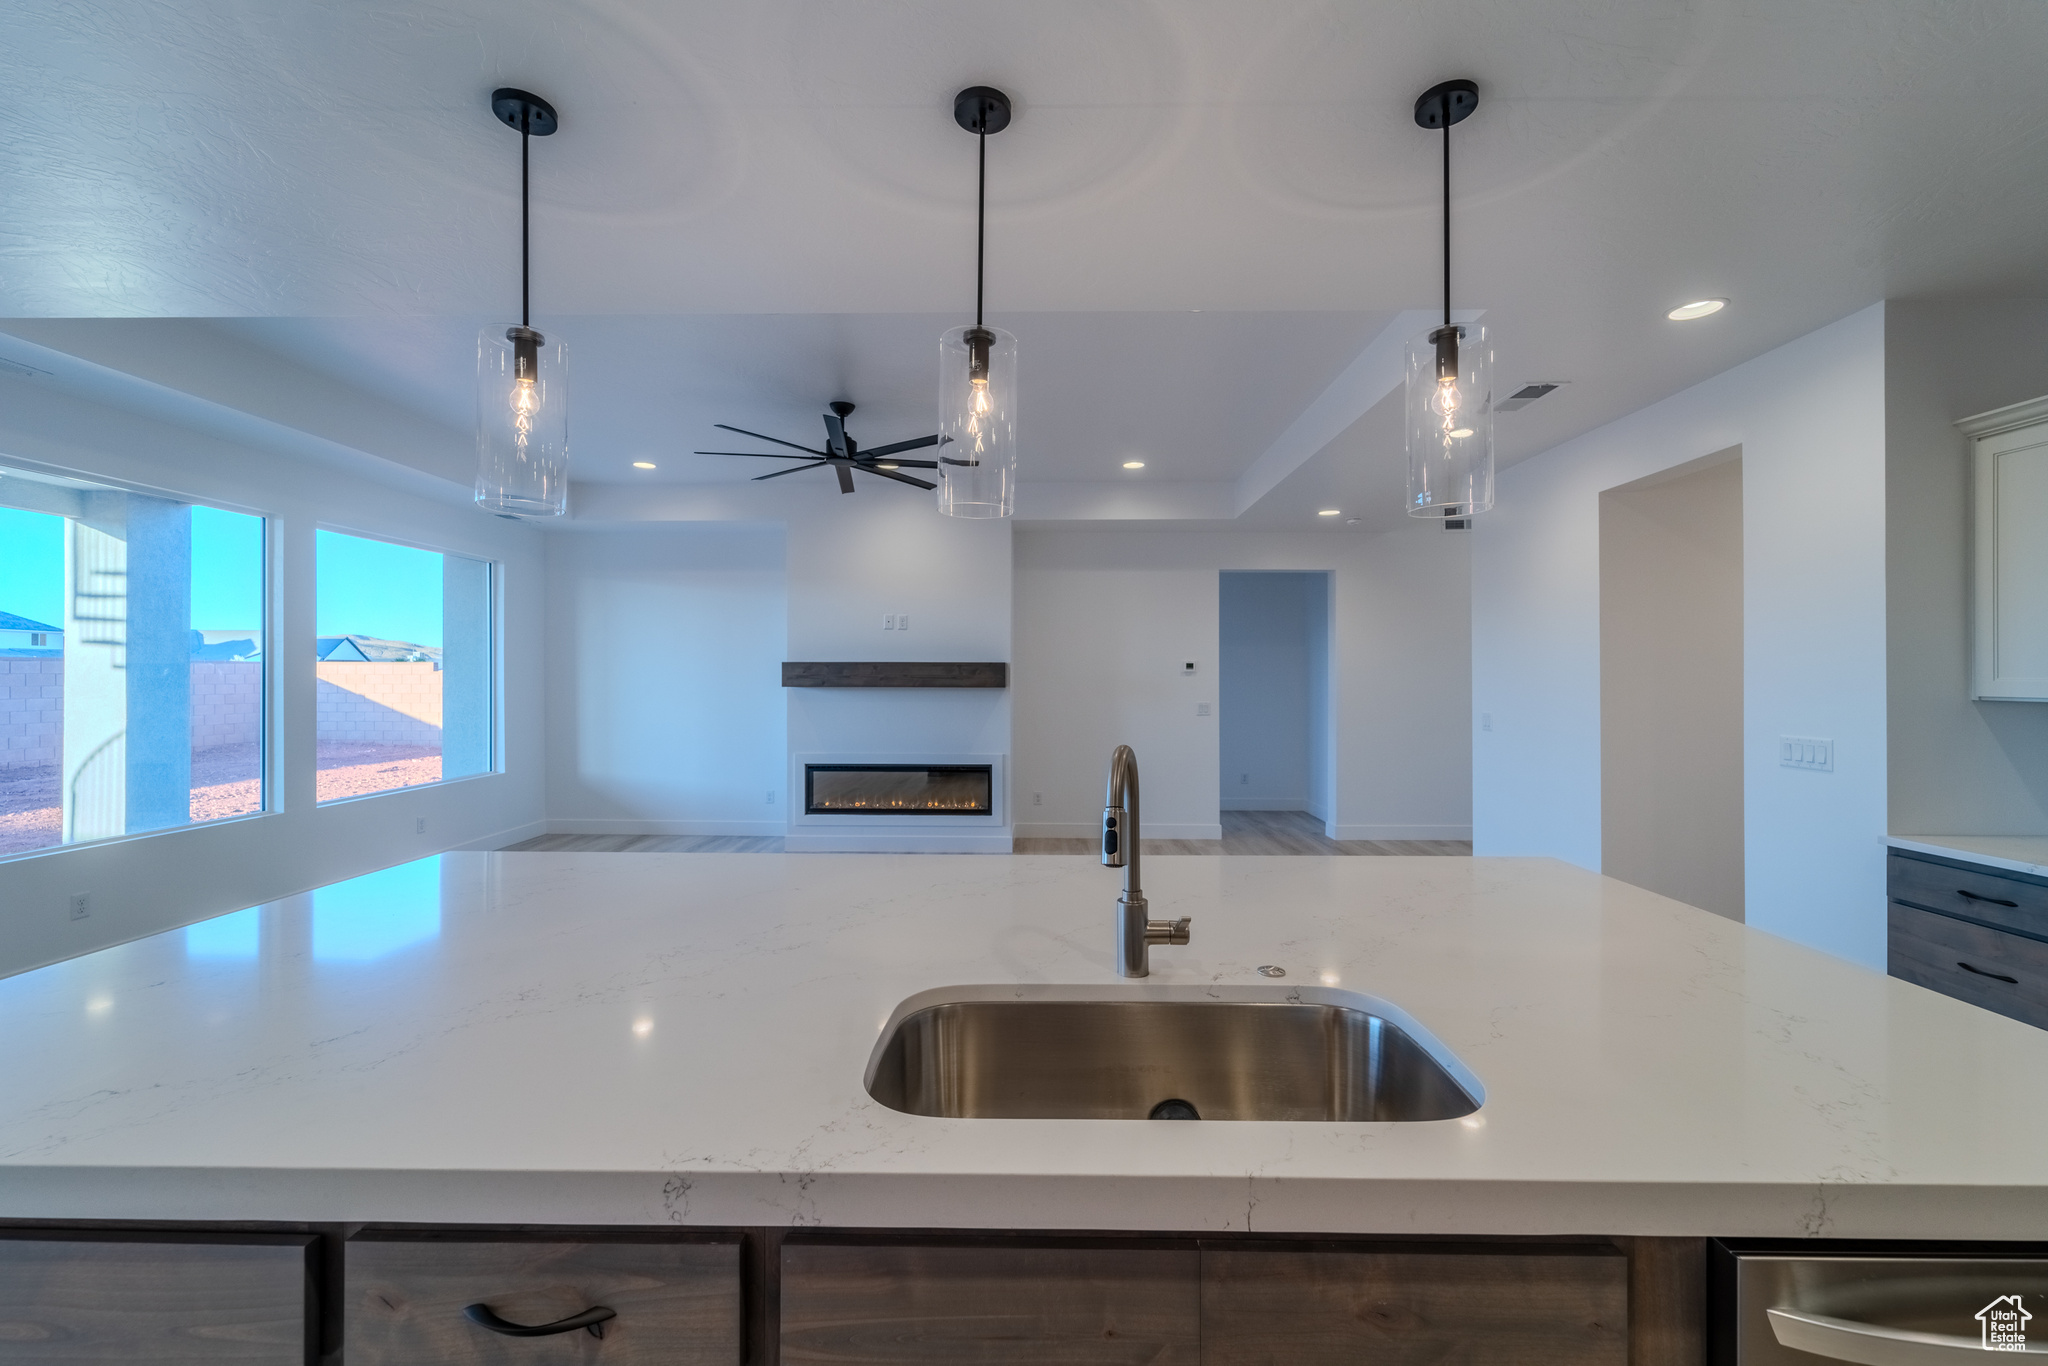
column 352, row 1296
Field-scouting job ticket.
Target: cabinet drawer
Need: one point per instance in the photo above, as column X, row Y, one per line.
column 79, row 1300
column 1931, row 950
column 1043, row 1306
column 1275, row 1308
column 677, row 1303
column 1978, row 894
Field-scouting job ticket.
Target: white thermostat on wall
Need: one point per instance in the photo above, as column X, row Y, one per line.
column 1187, row 668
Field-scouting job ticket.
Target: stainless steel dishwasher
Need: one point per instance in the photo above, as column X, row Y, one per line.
column 1905, row 1305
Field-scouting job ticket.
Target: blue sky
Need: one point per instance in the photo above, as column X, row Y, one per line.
column 374, row 588
column 366, row 587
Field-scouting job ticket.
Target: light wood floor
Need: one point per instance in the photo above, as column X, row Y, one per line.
column 1244, row 832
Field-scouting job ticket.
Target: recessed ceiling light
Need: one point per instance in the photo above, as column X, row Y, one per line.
column 1698, row 308
column 1331, row 512
column 1134, row 464
column 643, row 464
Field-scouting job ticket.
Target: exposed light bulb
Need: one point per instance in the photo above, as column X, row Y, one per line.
column 1447, row 399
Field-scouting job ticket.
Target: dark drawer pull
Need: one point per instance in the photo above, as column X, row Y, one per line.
column 593, row 1319
column 1987, row 900
column 1994, row 976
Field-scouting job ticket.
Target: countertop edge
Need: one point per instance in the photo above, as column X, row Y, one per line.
column 1180, row 1205
column 1931, row 844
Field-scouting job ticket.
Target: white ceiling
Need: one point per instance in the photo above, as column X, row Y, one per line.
column 330, row 175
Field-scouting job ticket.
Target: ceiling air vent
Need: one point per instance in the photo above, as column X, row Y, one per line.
column 1526, row 395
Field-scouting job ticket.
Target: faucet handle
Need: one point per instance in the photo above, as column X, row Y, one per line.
column 1168, row 931
column 1115, row 822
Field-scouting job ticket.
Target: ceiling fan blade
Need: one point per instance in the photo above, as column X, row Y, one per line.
column 835, row 436
column 907, row 464
column 727, row 427
column 791, row 470
column 758, row 455
column 922, row 441
column 844, row 469
column 900, row 478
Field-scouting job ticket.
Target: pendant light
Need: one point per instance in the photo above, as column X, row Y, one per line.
column 522, row 382
column 1450, row 369
column 978, row 364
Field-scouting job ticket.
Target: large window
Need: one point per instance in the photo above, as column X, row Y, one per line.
column 131, row 662
column 404, row 665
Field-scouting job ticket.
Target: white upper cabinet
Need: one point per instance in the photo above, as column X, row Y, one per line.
column 2009, row 585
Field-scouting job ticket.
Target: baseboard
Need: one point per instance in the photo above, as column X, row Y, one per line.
column 903, row 842
column 1400, row 832
column 1057, row 830
column 1265, row 804
column 595, row 827
column 505, row 837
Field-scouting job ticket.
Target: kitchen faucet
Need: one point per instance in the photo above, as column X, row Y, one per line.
column 1135, row 935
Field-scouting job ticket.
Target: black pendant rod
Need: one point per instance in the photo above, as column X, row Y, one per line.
column 980, row 218
column 1447, row 222
column 525, row 253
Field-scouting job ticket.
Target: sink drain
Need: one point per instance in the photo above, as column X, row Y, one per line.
column 1174, row 1109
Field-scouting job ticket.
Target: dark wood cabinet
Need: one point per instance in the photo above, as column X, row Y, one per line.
column 85, row 1298
column 1031, row 1306
column 1406, row 1307
column 677, row 1302
column 1977, row 934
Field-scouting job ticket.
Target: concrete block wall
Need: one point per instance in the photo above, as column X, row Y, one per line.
column 31, row 712
column 380, row 703
column 227, row 703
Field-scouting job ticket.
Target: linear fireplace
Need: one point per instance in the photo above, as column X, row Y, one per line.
column 899, row 790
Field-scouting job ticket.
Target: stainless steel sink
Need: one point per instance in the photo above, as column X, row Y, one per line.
column 1093, row 1056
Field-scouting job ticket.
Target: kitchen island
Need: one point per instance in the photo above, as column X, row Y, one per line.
column 670, row 1040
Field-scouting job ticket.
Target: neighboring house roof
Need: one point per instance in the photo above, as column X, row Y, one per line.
column 10, row 622
column 340, row 649
column 377, row 650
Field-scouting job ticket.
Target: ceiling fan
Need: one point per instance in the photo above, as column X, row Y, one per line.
column 841, row 452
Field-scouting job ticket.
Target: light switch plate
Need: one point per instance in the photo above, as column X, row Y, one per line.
column 1805, row 751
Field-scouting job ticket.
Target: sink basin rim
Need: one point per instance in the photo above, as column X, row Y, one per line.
column 1193, row 994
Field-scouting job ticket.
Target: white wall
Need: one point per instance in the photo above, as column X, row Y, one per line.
column 1958, row 767
column 665, row 710
column 1263, row 691
column 1106, row 618
column 145, row 883
column 1671, row 684
column 854, row 560
column 1809, row 418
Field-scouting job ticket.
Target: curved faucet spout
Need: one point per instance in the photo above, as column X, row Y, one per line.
column 1121, row 846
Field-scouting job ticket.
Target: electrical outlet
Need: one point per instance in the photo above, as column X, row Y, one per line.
column 81, row 905
column 769, row 800
column 1244, row 780
column 903, row 621
column 1201, row 708
column 1038, row 799
column 1486, row 720
column 419, row 825
column 1803, row 751
column 1187, row 670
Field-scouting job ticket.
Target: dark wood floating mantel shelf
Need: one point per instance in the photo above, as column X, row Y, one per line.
column 894, row 675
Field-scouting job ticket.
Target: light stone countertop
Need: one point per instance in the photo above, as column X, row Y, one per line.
column 680, row 1038
column 2014, row 853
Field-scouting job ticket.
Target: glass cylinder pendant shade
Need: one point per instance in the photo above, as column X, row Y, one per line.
column 1450, row 422
column 977, row 452
column 522, row 423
